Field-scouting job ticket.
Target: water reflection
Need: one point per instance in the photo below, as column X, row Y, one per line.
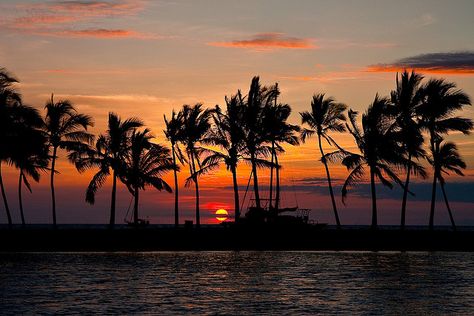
column 237, row 283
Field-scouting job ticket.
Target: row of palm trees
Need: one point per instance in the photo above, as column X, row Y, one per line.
column 251, row 128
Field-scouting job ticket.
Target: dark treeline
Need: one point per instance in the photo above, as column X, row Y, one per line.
column 395, row 134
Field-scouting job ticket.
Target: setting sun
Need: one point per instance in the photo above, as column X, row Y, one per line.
column 221, row 215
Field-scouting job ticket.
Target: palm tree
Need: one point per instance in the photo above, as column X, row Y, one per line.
column 228, row 135
column 196, row 125
column 65, row 129
column 440, row 101
column 277, row 131
column 108, row 154
column 252, row 122
column 444, row 158
column 10, row 100
column 406, row 99
column 379, row 147
column 326, row 116
column 173, row 135
column 145, row 165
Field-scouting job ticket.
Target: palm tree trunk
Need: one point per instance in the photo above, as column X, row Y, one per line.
column 112, row 202
column 236, row 194
column 333, row 200
column 433, row 200
column 255, row 181
column 271, row 178
column 196, row 185
column 5, row 201
column 53, row 197
column 20, row 201
column 447, row 206
column 277, row 172
column 374, row 199
column 135, row 207
column 176, row 212
column 405, row 194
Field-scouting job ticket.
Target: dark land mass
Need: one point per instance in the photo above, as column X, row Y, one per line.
column 214, row 237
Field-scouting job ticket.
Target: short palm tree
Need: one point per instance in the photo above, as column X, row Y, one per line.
column 406, row 100
column 278, row 131
column 108, row 155
column 445, row 158
column 145, row 164
column 65, row 129
column 196, row 125
column 173, row 135
column 380, row 150
column 440, row 101
column 326, row 116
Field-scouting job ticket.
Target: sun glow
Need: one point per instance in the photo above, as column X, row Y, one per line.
column 221, row 215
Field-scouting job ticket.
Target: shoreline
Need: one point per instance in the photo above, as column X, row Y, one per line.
column 210, row 238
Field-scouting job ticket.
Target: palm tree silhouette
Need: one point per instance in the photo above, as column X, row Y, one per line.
column 441, row 100
column 380, row 150
column 108, row 154
column 196, row 125
column 228, row 135
column 252, row 121
column 406, row 99
column 173, row 133
column 65, row 129
column 444, row 158
column 277, row 131
column 326, row 116
column 145, row 164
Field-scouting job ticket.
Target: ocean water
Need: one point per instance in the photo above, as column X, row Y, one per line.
column 237, row 283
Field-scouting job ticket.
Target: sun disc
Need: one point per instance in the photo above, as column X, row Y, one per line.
column 221, row 215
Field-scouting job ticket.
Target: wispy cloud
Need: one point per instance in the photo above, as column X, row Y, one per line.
column 268, row 41
column 445, row 63
column 73, row 19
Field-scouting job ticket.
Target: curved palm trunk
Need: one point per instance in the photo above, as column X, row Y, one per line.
column 405, row 195
column 236, row 194
column 433, row 201
column 447, row 206
column 333, row 200
column 176, row 212
column 135, row 207
column 277, row 173
column 374, row 199
column 255, row 181
column 196, row 186
column 20, row 201
column 271, row 178
column 53, row 197
column 4, row 196
column 112, row 202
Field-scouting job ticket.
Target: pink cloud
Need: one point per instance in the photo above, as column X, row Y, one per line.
column 268, row 41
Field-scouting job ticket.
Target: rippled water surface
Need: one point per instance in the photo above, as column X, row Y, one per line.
column 237, row 283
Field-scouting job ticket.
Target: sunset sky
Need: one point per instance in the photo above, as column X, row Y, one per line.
column 145, row 58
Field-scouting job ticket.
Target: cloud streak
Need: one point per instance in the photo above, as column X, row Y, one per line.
column 268, row 41
column 444, row 63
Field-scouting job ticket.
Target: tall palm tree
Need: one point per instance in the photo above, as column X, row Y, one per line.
column 65, row 129
column 379, row 147
column 440, row 101
column 228, row 135
column 278, row 131
column 326, row 116
column 10, row 100
column 196, row 125
column 445, row 158
column 173, row 133
column 108, row 154
column 406, row 100
column 145, row 163
column 252, row 121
